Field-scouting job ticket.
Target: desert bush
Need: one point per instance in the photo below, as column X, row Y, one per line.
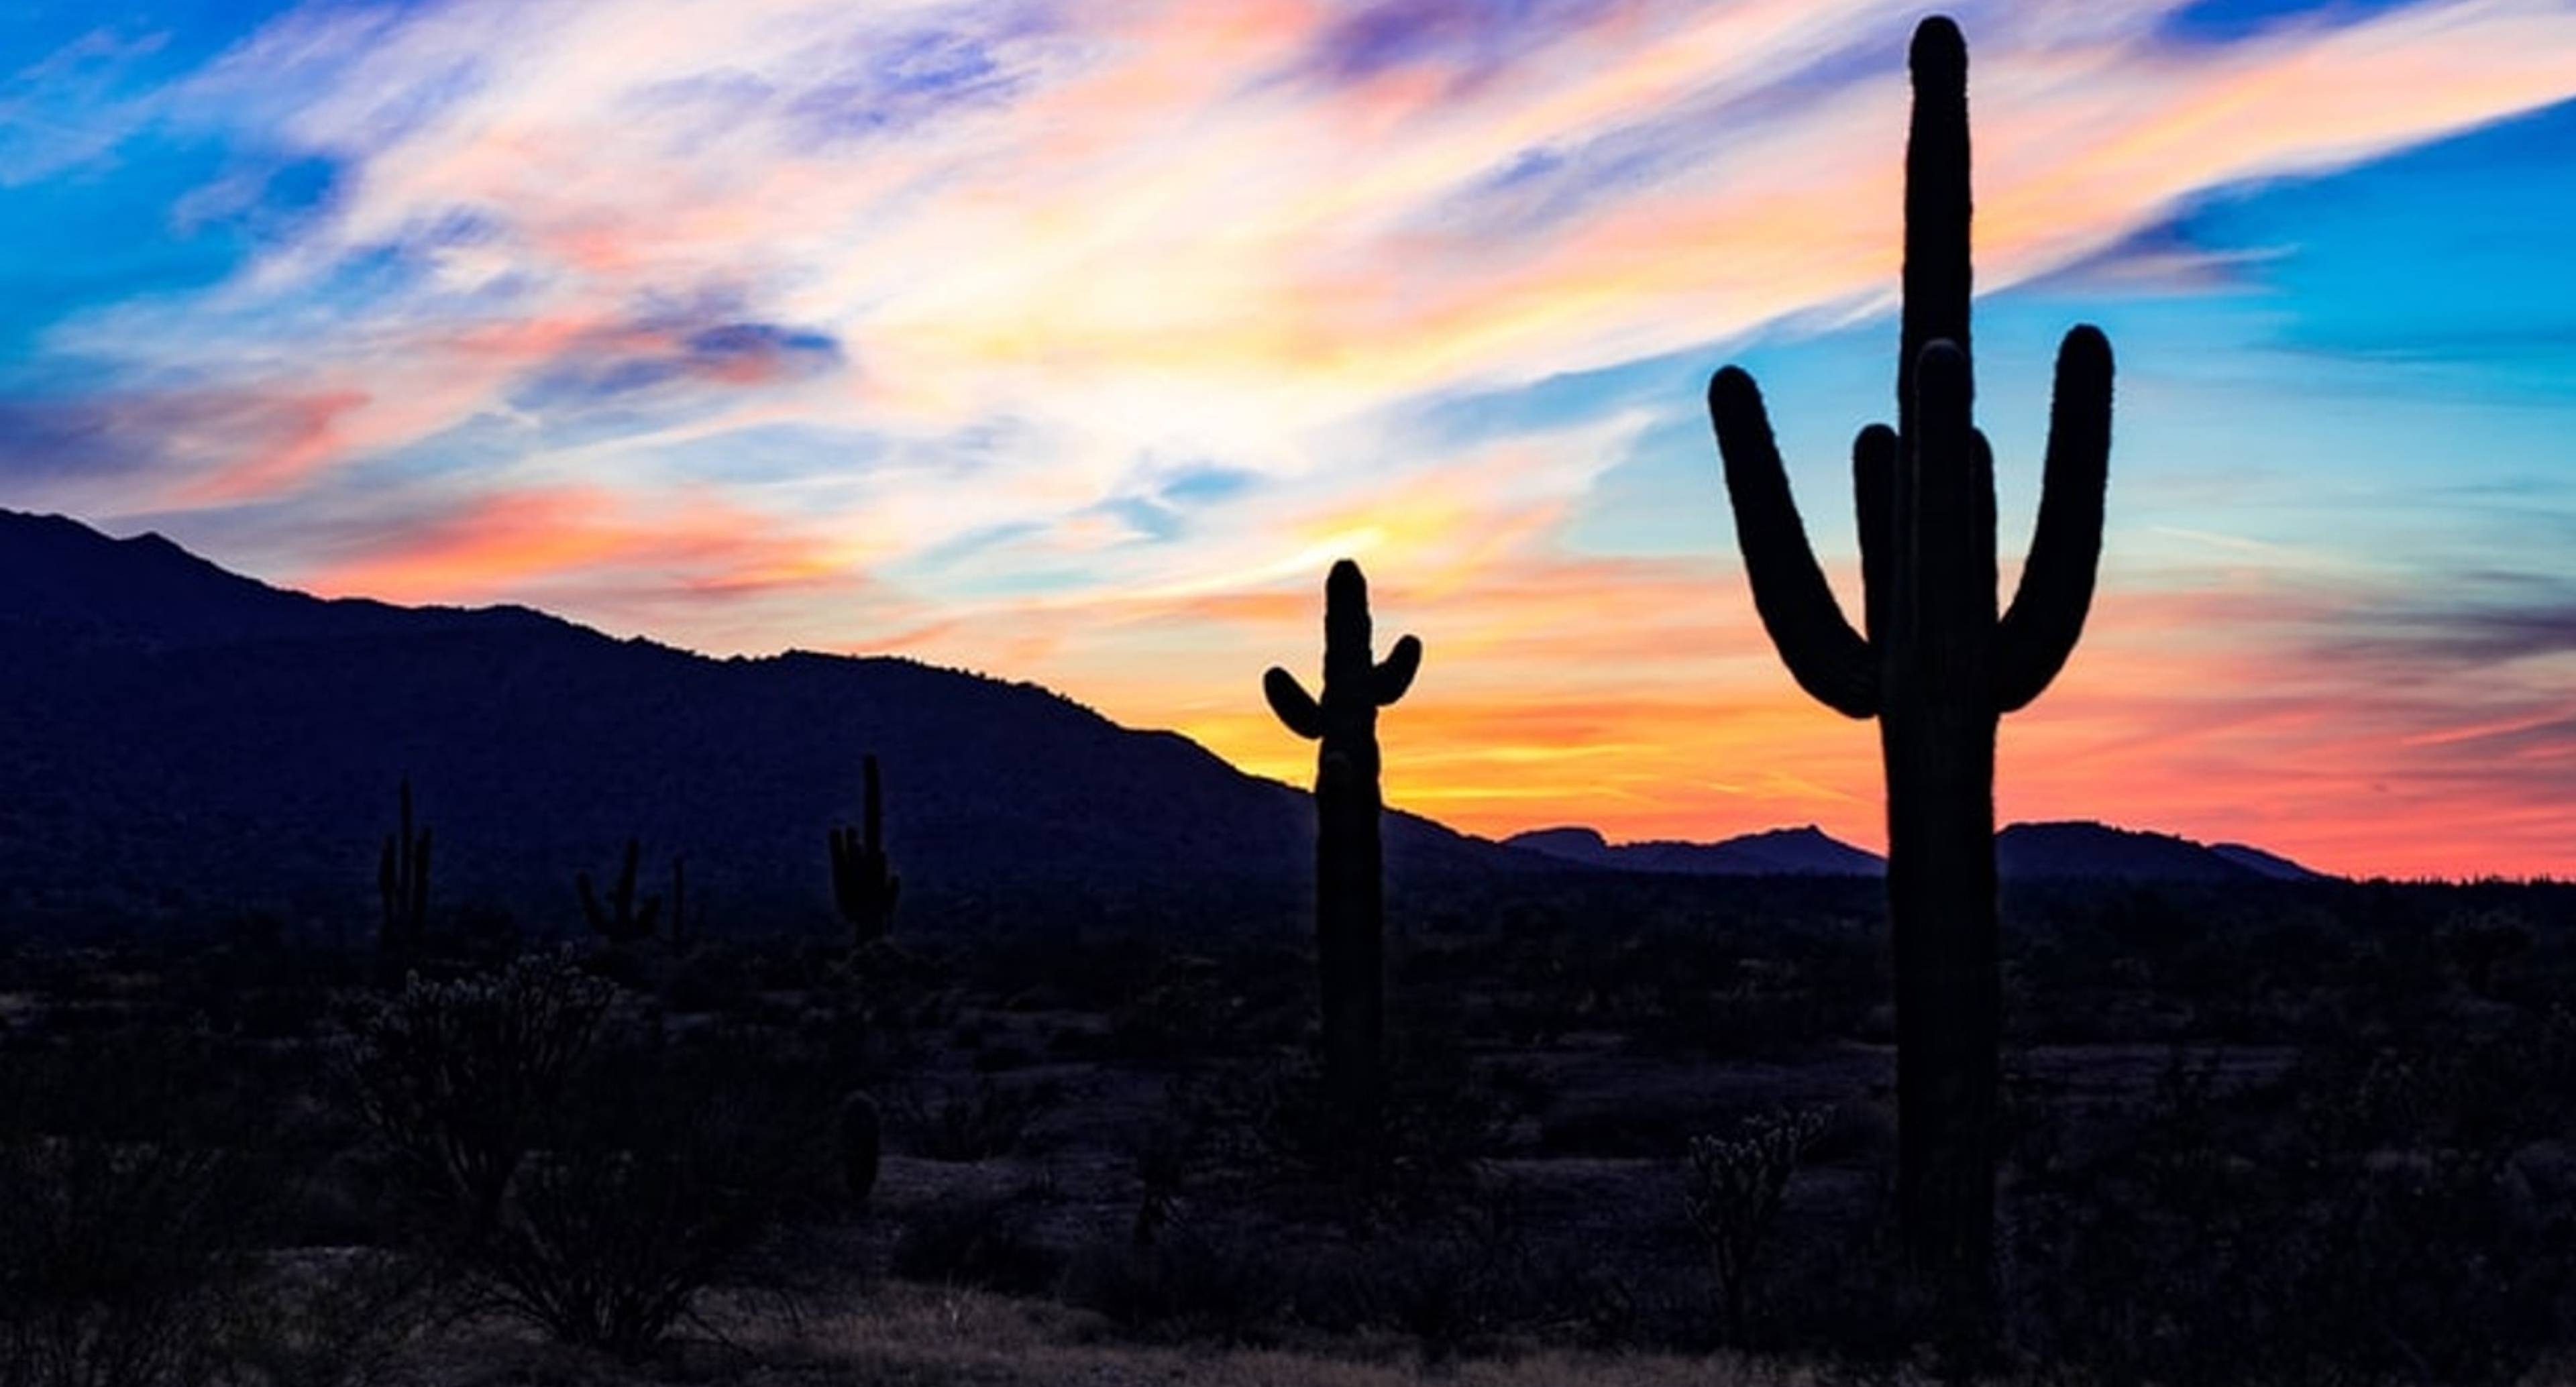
column 460, row 1079
column 586, row 1178
column 117, row 1259
column 337, row 1319
column 614, row 1231
column 1732, row 1190
column 1187, row 1287
column 984, row 1241
column 2366, row 1218
column 979, row 1121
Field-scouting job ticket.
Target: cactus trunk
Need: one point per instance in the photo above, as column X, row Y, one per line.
column 626, row 919
column 1936, row 666
column 1350, row 890
column 402, row 885
column 864, row 888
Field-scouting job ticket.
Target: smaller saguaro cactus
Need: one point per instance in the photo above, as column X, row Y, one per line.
column 862, row 1144
column 402, row 883
column 1350, row 887
column 864, row 888
column 625, row 919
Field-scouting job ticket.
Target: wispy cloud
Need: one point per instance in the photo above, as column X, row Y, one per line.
column 1069, row 339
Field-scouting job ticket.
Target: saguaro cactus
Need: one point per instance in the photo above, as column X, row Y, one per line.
column 1350, row 891
column 625, row 919
column 1936, row 667
column 402, row 884
column 863, row 889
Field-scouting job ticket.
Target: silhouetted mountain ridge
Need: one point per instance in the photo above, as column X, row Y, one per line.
column 1806, row 851
column 2065, row 850
column 179, row 737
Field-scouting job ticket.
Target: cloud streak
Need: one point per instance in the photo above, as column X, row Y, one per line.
column 690, row 317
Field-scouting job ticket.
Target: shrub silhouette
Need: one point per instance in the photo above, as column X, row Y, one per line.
column 1350, row 887
column 1936, row 667
column 462, row 1078
column 1732, row 1192
column 670, row 1163
column 864, row 889
column 116, row 1259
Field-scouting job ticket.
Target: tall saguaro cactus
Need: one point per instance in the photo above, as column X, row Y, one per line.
column 1350, row 889
column 863, row 888
column 1936, row 667
column 402, row 884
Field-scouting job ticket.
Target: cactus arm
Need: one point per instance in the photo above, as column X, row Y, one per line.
column 1938, row 278
column 1876, row 456
column 1827, row 658
column 1395, row 673
column 1295, row 707
column 2056, row 590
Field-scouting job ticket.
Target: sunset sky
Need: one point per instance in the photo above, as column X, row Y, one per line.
column 1070, row 340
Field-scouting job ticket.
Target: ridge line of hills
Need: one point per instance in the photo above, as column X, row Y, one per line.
column 179, row 737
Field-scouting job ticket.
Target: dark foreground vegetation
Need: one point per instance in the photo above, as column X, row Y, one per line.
column 2294, row 1133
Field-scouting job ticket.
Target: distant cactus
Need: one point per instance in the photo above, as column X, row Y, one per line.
column 862, row 1142
column 625, row 919
column 402, row 884
column 1350, row 891
column 1732, row 1192
column 1936, row 668
column 864, row 889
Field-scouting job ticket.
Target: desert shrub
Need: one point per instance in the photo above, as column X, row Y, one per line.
column 460, row 1079
column 614, row 1231
column 1185, row 1287
column 586, row 1178
column 978, row 1121
column 1732, row 1189
column 1461, row 1277
column 2367, row 1218
column 335, row 1319
column 984, row 1241
column 117, row 1259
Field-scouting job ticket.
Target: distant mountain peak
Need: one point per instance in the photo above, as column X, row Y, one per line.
column 2073, row 848
column 2083, row 848
column 1806, row 851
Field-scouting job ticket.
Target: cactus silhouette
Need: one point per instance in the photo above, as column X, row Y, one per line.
column 625, row 919
column 402, row 884
column 1350, row 890
column 863, row 889
column 1936, row 667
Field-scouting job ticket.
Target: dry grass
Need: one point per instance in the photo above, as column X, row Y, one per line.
column 909, row 1336
column 940, row 1338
